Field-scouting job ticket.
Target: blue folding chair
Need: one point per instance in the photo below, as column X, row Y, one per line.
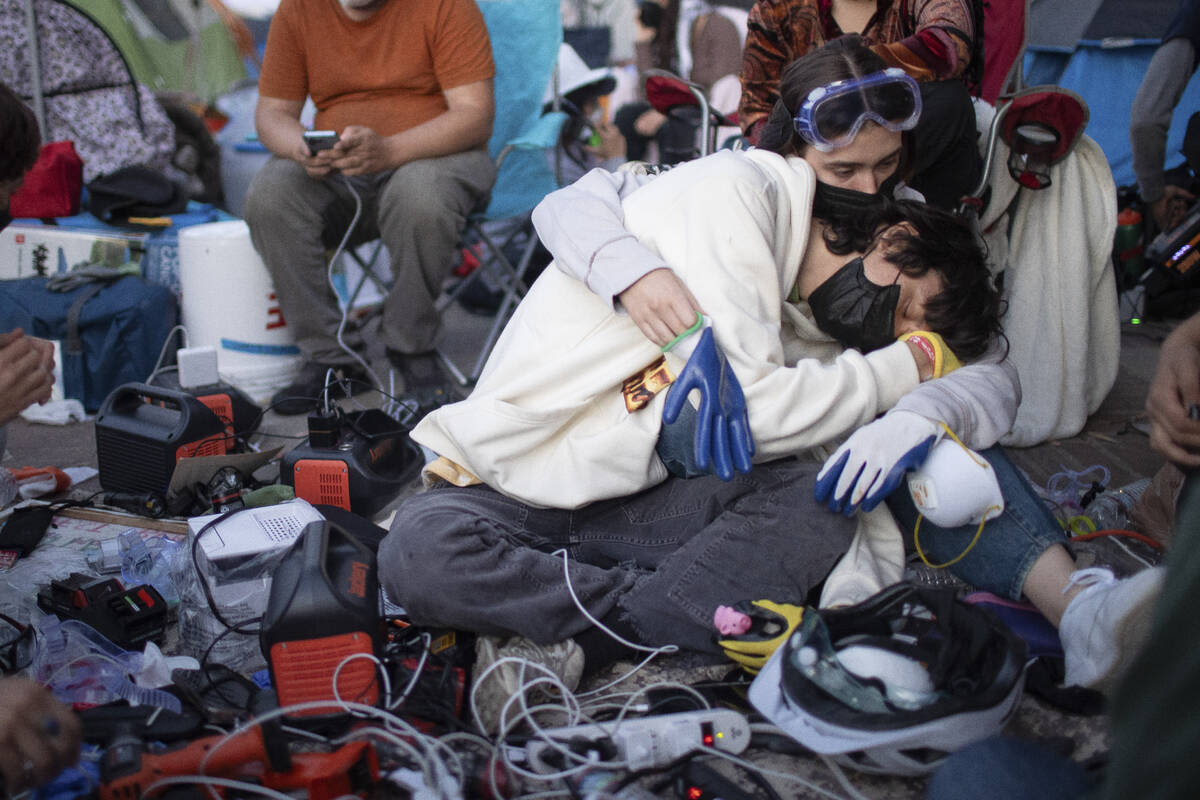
column 525, row 37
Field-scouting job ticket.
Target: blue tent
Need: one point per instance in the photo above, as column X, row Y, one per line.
column 1100, row 49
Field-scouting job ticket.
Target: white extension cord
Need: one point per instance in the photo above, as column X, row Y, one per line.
column 643, row 742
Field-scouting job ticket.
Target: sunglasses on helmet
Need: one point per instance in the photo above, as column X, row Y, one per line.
column 832, row 115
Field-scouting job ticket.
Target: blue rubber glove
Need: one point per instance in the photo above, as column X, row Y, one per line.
column 723, row 440
column 872, row 462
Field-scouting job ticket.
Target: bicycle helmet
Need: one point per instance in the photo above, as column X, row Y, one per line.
column 896, row 683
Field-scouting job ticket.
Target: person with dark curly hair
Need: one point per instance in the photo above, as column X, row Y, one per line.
column 19, row 132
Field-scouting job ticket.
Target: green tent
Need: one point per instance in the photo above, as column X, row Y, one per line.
column 171, row 45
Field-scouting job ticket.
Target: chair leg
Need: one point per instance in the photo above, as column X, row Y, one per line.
column 514, row 288
column 512, row 296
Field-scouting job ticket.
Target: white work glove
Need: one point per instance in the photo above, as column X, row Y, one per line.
column 872, row 462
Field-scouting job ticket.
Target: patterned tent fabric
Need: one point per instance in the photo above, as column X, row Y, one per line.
column 90, row 95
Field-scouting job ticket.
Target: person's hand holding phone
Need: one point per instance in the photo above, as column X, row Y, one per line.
column 361, row 151
column 317, row 153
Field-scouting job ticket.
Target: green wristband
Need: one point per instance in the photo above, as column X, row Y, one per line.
column 697, row 326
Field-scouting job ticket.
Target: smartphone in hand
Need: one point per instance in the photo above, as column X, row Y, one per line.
column 320, row 140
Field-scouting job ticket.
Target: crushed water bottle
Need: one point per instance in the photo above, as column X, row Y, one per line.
column 80, row 665
column 1110, row 509
column 143, row 562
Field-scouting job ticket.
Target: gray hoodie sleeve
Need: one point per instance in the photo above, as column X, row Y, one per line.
column 583, row 227
column 1150, row 116
column 977, row 401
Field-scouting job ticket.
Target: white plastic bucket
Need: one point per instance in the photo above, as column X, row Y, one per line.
column 228, row 302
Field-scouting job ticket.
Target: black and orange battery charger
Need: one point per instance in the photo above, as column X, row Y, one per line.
column 357, row 461
column 322, row 620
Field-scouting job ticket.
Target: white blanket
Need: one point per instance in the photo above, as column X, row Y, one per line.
column 1062, row 320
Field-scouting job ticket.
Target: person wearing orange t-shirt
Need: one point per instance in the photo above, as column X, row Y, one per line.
column 407, row 88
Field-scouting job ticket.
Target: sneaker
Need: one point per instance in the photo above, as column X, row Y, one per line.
column 424, row 380
column 496, row 685
column 305, row 392
column 1106, row 624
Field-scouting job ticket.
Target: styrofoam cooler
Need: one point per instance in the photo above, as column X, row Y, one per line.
column 228, row 302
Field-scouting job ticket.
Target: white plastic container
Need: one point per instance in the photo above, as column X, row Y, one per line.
column 228, row 302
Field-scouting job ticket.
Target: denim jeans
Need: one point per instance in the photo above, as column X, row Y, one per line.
column 999, row 562
column 662, row 559
column 1004, row 768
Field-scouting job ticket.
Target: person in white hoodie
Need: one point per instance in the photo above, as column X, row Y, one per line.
column 561, row 445
column 550, row 437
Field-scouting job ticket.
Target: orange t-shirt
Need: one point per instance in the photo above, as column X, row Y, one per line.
column 387, row 72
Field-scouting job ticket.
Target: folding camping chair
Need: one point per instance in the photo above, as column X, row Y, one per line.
column 1046, row 209
column 1039, row 124
column 666, row 91
column 525, row 35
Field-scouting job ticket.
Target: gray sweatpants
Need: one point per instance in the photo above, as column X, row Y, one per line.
column 665, row 558
column 418, row 210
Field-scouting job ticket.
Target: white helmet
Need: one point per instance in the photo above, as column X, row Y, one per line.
column 896, row 683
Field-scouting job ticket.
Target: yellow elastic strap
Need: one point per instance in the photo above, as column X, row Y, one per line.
column 957, row 558
column 974, row 456
column 917, row 528
column 1079, row 525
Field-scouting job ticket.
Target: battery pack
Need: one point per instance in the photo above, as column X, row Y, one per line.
column 322, row 616
column 371, row 459
column 142, row 431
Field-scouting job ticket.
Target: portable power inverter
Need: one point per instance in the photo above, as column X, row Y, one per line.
column 366, row 460
column 142, row 430
column 322, row 612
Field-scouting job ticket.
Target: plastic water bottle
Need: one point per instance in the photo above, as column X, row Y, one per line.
column 1110, row 509
column 142, row 563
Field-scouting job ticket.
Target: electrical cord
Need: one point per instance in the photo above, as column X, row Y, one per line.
column 162, row 353
column 341, row 329
column 238, row 627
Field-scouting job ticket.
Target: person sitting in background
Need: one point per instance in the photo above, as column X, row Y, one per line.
column 26, row 363
column 38, row 735
column 589, row 138
column 701, row 42
column 407, row 86
column 1167, row 194
column 939, row 43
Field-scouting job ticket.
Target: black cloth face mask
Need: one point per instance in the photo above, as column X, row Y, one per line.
column 832, row 203
column 853, row 310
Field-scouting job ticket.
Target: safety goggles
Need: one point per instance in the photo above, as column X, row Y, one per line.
column 811, row 653
column 831, row 115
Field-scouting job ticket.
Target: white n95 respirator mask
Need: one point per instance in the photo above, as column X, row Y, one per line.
column 955, row 486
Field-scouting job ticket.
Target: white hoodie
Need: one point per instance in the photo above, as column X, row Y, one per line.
column 547, row 423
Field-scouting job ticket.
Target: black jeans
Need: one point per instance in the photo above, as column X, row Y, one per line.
column 664, row 558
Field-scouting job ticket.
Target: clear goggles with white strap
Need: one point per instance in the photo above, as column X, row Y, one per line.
column 832, row 115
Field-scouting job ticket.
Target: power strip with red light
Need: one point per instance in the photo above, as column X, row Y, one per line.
column 643, row 742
